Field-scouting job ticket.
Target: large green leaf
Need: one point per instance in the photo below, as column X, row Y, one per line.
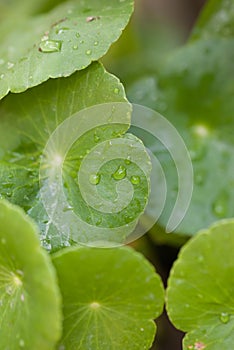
column 30, row 314
column 194, row 91
column 200, row 295
column 83, row 117
column 216, row 20
column 110, row 297
column 37, row 45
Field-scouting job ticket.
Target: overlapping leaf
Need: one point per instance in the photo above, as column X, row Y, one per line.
column 110, row 297
column 36, row 45
column 200, row 298
column 30, row 314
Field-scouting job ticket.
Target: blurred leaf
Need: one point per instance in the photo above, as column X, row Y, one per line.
column 29, row 297
column 36, row 46
column 111, row 301
column 200, row 298
column 215, row 21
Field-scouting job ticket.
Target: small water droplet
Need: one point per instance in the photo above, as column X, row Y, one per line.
column 68, row 208
column 94, row 179
column 88, row 52
column 120, row 173
column 116, row 91
column 48, row 46
column 127, row 161
column 96, row 43
column 81, row 41
column 75, row 47
column 77, row 35
column 135, row 180
column 224, row 317
column 22, row 298
column 142, row 329
column 2, row 76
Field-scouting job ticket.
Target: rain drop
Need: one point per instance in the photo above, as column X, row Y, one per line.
column 75, row 47
column 96, row 43
column 94, row 179
column 88, row 52
column 135, row 180
column 47, row 46
column 120, row 173
column 224, row 317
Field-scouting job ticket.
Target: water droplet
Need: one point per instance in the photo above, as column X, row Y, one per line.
column 224, row 317
column 116, row 91
column 120, row 173
column 127, row 161
column 2, row 76
column 21, row 343
column 220, row 205
column 22, row 298
column 75, row 47
column 142, row 329
column 135, row 180
column 96, row 43
column 94, row 179
column 50, row 46
column 61, row 30
column 68, row 208
column 88, row 52
column 77, row 35
column 81, row 41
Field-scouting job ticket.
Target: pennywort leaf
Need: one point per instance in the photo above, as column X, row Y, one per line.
column 110, row 298
column 30, row 314
column 200, row 297
column 36, row 46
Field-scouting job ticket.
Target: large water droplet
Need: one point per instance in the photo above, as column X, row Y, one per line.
column 224, row 317
column 94, row 179
column 120, row 173
column 50, row 46
column 135, row 180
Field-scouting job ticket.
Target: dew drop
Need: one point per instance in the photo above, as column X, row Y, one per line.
column 116, row 91
column 120, row 173
column 94, row 305
column 127, row 161
column 77, row 35
column 47, row 46
column 75, row 47
column 94, row 179
column 96, row 43
column 88, row 52
column 135, row 180
column 224, row 317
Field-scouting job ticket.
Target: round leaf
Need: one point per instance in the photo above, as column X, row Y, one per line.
column 29, row 297
column 200, row 298
column 36, row 46
column 110, row 297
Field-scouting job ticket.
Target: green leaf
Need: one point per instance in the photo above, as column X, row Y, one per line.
column 75, row 124
column 29, row 297
column 110, row 297
column 36, row 46
column 200, row 297
column 188, row 94
column 216, row 21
